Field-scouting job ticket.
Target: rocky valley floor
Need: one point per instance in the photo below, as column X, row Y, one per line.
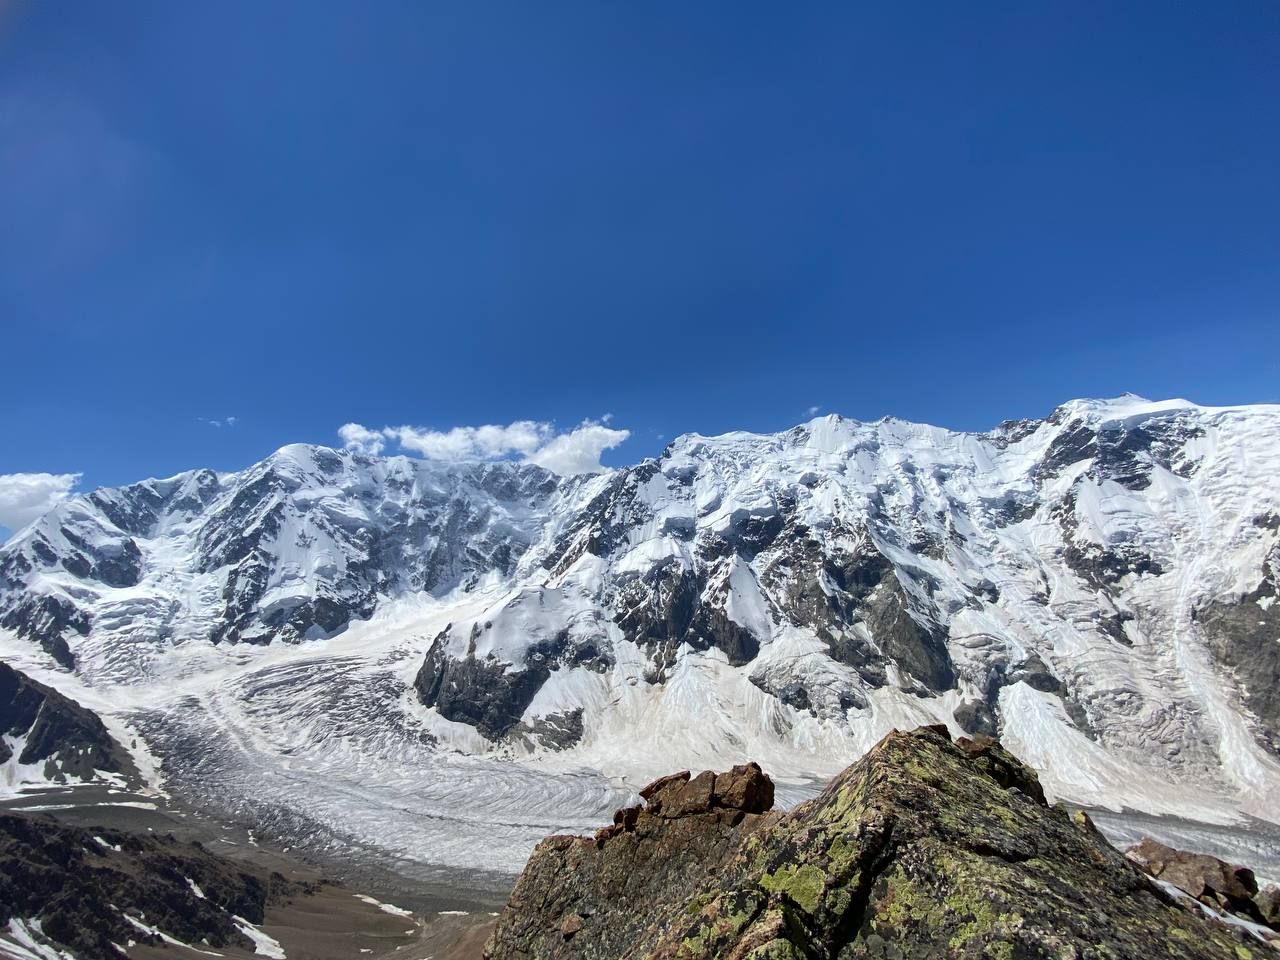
column 335, row 908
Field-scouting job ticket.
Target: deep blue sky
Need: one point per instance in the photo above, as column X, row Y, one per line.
column 692, row 216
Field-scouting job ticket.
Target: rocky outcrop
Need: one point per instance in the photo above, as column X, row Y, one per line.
column 483, row 693
column 596, row 896
column 1213, row 882
column 46, row 621
column 924, row 848
column 89, row 890
column 1267, row 901
column 70, row 741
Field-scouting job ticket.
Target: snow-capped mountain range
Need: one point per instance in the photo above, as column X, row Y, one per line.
column 1099, row 588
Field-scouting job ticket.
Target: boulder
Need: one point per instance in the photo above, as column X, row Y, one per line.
column 662, row 783
column 1210, row 880
column 689, row 798
column 1268, row 904
column 745, row 787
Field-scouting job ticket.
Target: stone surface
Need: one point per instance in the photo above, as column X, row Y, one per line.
column 80, row 885
column 924, row 848
column 1268, row 903
column 1212, row 881
column 745, row 787
column 691, row 797
column 652, row 789
column 69, row 740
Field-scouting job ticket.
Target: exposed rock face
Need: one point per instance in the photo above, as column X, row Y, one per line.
column 291, row 549
column 1107, row 573
column 69, row 740
column 1214, row 882
column 482, row 693
column 82, row 886
column 924, row 848
column 1244, row 636
column 596, row 896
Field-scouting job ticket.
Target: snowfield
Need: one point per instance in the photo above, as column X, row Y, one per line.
column 447, row 662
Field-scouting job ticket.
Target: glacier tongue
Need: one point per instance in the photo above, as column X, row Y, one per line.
column 454, row 656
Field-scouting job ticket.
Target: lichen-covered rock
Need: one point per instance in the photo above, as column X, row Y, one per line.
column 603, row 896
column 924, row 848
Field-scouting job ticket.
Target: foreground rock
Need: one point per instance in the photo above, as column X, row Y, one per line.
column 609, row 890
column 1213, row 882
column 88, row 891
column 924, row 848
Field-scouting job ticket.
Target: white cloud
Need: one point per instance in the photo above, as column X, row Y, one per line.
column 579, row 450
column 228, row 421
column 813, row 411
column 361, row 439
column 27, row 496
column 489, row 442
column 572, row 452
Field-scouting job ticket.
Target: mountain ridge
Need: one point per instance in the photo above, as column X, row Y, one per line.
column 1097, row 586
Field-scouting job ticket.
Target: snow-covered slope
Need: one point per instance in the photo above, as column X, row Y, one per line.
column 1099, row 587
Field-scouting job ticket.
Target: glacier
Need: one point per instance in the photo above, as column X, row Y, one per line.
column 450, row 660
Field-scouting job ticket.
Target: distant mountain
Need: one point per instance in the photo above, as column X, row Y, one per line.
column 1098, row 587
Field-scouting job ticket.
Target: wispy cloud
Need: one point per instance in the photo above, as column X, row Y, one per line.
column 566, row 452
column 223, row 422
column 27, row 496
column 361, row 439
column 489, row 442
column 813, row 411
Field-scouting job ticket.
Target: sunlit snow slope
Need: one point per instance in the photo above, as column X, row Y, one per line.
column 445, row 658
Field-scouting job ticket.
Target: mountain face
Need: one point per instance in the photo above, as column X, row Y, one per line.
column 93, row 891
column 52, row 739
column 1098, row 587
column 924, row 848
column 291, row 549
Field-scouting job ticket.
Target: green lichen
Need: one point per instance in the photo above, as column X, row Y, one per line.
column 803, row 885
column 907, row 902
column 776, row 950
column 698, row 904
column 721, row 920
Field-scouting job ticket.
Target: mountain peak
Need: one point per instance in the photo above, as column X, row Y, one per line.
column 1105, row 599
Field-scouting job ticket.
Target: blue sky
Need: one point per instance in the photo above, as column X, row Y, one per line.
column 693, row 217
